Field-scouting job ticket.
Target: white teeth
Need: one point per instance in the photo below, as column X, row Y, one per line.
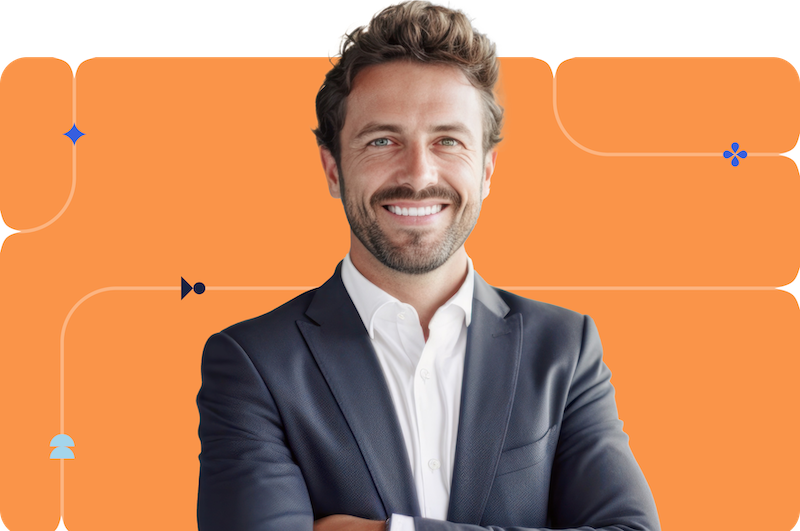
column 414, row 211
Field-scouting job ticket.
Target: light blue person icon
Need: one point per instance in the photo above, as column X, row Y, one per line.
column 60, row 450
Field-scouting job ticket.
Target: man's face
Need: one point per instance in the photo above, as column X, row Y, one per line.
column 413, row 173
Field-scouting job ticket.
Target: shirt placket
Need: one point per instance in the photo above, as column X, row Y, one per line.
column 430, row 415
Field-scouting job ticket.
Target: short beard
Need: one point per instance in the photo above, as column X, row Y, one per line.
column 413, row 257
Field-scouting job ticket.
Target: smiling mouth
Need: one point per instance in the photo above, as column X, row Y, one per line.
column 414, row 211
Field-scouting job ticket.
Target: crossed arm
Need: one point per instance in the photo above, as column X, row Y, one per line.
column 249, row 480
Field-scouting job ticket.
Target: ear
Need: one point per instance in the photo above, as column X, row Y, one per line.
column 331, row 171
column 488, row 170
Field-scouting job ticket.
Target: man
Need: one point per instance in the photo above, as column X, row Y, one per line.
column 406, row 388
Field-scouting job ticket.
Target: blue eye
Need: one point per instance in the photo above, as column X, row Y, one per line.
column 380, row 142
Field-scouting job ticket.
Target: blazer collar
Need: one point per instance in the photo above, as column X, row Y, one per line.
column 489, row 298
column 344, row 353
column 494, row 347
column 346, row 358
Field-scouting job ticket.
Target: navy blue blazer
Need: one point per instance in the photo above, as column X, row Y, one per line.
column 297, row 423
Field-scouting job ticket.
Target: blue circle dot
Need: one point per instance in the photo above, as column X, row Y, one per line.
column 199, row 288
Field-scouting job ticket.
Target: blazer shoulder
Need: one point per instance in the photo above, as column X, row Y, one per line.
column 556, row 339
column 542, row 311
column 273, row 324
column 561, row 331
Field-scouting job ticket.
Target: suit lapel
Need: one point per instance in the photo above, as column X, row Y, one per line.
column 344, row 353
column 494, row 345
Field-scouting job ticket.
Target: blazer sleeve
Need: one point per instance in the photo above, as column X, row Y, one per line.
column 248, row 479
column 596, row 483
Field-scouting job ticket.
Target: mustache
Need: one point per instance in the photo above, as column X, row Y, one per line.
column 404, row 193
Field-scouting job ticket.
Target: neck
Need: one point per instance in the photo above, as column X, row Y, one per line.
column 425, row 292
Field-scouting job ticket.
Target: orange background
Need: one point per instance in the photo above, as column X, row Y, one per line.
column 207, row 169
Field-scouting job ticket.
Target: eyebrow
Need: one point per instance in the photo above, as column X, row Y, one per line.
column 375, row 127
column 456, row 127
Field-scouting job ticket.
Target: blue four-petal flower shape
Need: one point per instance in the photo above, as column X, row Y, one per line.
column 734, row 154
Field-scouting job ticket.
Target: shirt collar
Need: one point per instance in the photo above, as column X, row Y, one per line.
column 369, row 298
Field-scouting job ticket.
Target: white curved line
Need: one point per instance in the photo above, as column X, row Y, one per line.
column 69, row 316
column 74, row 170
column 630, row 154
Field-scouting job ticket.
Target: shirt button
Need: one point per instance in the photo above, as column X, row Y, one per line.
column 434, row 464
column 401, row 315
column 425, row 374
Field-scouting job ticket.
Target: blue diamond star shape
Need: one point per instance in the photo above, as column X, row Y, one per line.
column 74, row 134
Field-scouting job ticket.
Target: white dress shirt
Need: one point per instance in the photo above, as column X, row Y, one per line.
column 424, row 379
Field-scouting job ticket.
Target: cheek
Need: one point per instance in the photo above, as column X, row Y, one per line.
column 357, row 194
column 470, row 187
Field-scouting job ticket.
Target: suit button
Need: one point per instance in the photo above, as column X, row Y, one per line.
column 434, row 464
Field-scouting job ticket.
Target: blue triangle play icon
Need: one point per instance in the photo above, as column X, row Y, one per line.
column 185, row 288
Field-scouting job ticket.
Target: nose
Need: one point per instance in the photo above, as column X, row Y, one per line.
column 419, row 170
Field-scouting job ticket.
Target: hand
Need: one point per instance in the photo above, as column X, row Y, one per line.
column 345, row 522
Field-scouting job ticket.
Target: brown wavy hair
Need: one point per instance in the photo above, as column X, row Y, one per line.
column 414, row 31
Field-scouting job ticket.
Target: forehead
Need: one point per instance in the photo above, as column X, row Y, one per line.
column 413, row 95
